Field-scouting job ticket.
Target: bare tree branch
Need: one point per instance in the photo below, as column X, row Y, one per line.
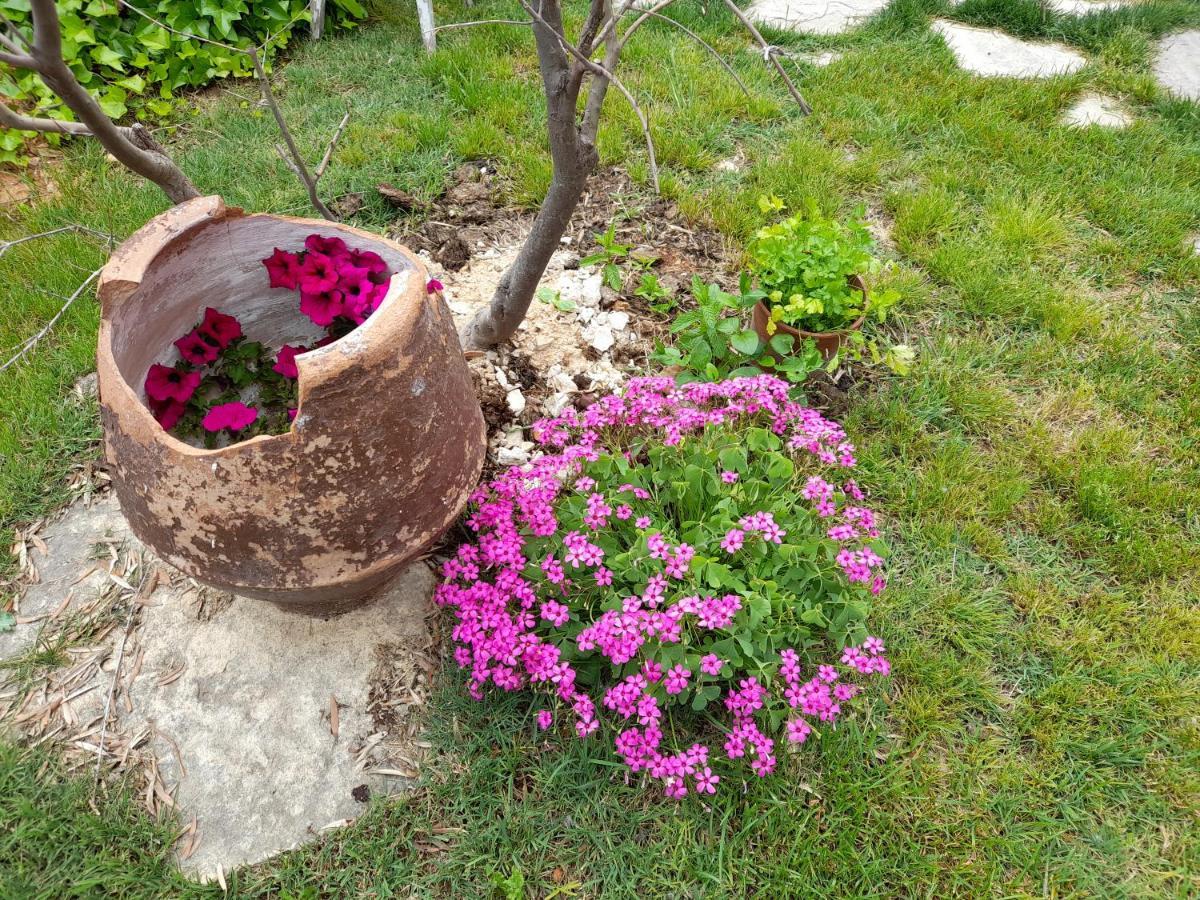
column 608, row 75
column 10, row 119
column 643, row 18
column 298, row 166
column 294, row 160
column 452, row 25
column 573, row 156
column 337, row 136
column 699, row 40
column 143, row 157
column 17, row 60
column 769, row 54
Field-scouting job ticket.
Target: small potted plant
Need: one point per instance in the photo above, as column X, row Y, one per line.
column 810, row 271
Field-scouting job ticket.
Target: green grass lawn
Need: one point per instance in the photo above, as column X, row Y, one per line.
column 1040, row 470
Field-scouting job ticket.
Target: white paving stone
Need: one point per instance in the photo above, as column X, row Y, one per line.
column 814, row 16
column 1096, row 109
column 989, row 52
column 1177, row 66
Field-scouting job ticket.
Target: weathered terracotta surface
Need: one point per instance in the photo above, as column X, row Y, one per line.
column 387, row 444
column 828, row 342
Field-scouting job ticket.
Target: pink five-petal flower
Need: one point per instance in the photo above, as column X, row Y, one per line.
column 545, row 719
column 169, row 413
column 706, row 781
column 318, row 274
column 710, row 664
column 285, row 361
column 729, row 477
column 676, row 679
column 327, row 246
column 733, row 540
column 234, row 416
column 322, row 307
column 283, row 269
column 165, row 384
column 642, row 522
column 198, row 349
column 223, row 329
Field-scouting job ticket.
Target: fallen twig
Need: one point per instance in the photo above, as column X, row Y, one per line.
column 31, row 342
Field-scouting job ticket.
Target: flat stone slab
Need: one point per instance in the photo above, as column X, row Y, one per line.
column 814, row 16
column 1097, row 109
column 992, row 53
column 1177, row 65
column 260, row 727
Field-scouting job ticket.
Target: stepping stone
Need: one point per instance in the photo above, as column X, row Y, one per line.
column 1177, row 66
column 1096, row 109
column 992, row 53
column 1084, row 7
column 268, row 727
column 820, row 60
column 814, row 16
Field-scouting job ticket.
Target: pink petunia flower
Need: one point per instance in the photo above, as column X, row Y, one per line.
column 357, row 298
column 198, row 349
column 165, row 384
column 169, row 413
column 283, row 269
column 223, row 329
column 232, row 416
column 285, row 361
column 318, row 274
column 321, row 307
column 331, row 247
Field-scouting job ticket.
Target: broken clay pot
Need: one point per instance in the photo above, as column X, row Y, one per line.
column 386, row 446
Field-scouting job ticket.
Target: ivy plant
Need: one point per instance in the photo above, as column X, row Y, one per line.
column 131, row 65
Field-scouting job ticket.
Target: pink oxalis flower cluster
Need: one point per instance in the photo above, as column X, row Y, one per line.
column 205, row 392
column 676, row 549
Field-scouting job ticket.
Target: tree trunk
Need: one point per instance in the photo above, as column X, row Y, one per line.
column 499, row 320
column 574, row 157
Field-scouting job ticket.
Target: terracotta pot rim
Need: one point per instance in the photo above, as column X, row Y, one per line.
column 121, row 272
column 856, row 282
column 786, row 328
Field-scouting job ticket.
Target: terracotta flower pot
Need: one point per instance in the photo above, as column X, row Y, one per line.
column 388, row 442
column 828, row 342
